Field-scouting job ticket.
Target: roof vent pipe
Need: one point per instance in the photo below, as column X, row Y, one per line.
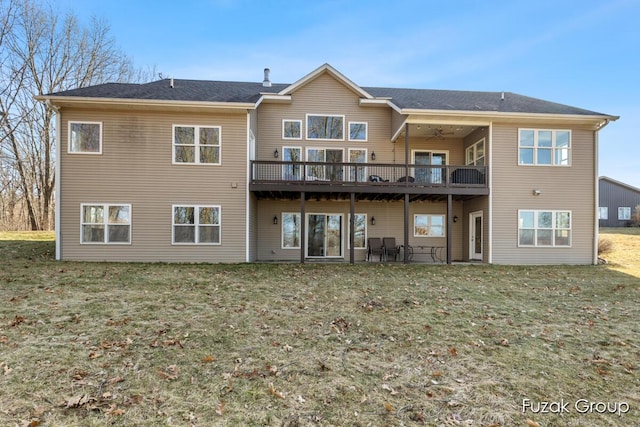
column 502, row 97
column 266, row 82
column 171, row 83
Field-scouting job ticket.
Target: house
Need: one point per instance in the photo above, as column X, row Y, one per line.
column 618, row 202
column 210, row 171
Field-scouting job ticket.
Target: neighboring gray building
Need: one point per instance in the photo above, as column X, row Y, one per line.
column 617, row 202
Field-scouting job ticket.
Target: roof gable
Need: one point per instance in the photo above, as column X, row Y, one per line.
column 620, row 184
column 325, row 69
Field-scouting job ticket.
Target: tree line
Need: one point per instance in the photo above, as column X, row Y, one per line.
column 43, row 51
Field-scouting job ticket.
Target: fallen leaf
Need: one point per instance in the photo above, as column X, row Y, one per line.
column 208, row 359
column 274, row 392
column 221, row 408
column 453, row 351
column 114, row 410
column 532, row 423
column 35, row 422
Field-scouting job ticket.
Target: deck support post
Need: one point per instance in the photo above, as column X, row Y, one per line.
column 303, row 227
column 352, row 229
column 449, row 226
column 406, row 229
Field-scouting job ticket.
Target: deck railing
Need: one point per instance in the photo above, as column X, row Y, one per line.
column 366, row 174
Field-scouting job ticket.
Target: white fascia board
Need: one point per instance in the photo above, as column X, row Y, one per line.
column 318, row 71
column 70, row 100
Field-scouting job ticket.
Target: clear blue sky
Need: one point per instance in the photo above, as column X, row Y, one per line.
column 583, row 53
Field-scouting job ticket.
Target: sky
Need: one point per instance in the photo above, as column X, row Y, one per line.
column 582, row 53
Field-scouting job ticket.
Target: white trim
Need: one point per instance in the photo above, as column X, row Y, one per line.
column 366, row 131
column 282, row 246
column 196, row 223
column 100, row 142
column 366, row 231
column 474, row 147
column 429, row 215
column 247, row 194
column 489, row 148
column 324, row 115
column 535, row 147
column 57, row 198
column 306, row 247
column 553, row 228
column 596, row 200
column 294, row 121
column 290, row 147
column 105, row 207
column 317, row 72
column 472, row 252
column 196, row 144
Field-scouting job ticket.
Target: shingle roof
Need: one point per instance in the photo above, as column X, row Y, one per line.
column 248, row 92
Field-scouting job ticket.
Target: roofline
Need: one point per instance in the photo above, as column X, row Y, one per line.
column 146, row 102
column 602, row 118
column 318, row 71
column 622, row 184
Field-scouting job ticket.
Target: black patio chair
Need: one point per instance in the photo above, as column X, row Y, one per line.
column 390, row 248
column 375, row 248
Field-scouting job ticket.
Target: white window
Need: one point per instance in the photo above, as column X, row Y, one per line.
column 196, row 225
column 291, row 172
column 624, row 213
column 105, row 223
column 357, row 131
column 428, row 225
column 357, row 173
column 292, row 129
column 475, row 154
column 544, row 228
column 603, row 212
column 85, row 137
column 544, row 147
column 327, row 127
column 360, row 232
column 290, row 230
column 330, row 172
column 196, row 144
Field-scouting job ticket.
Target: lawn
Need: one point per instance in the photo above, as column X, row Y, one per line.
column 92, row 344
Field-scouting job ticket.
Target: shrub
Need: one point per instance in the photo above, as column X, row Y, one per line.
column 604, row 246
column 635, row 217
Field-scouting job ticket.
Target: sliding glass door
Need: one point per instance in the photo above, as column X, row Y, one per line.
column 324, row 235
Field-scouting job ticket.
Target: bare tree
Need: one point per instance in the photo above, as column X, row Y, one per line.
column 41, row 53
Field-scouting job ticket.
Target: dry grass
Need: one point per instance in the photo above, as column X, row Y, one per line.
column 88, row 344
column 624, row 255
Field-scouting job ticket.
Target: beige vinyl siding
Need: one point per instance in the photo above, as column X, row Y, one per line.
column 389, row 223
column 136, row 167
column 562, row 188
column 324, row 95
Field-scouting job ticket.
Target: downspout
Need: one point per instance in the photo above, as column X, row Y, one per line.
column 57, row 198
column 247, row 202
column 490, row 207
column 596, row 193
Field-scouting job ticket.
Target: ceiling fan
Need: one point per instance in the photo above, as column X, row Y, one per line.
column 439, row 133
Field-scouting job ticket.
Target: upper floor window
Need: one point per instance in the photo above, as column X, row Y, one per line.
column 624, row 213
column 357, row 131
column 292, row 129
column 544, row 147
column 105, row 223
column 475, row 154
column 196, row 224
column 196, row 144
column 85, row 137
column 544, row 228
column 325, row 127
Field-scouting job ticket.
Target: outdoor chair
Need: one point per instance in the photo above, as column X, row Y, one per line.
column 390, row 248
column 377, row 178
column 375, row 248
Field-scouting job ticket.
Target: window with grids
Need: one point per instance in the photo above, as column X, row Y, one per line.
column 105, row 223
column 544, row 147
column 196, row 144
column 540, row 228
column 196, row 225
